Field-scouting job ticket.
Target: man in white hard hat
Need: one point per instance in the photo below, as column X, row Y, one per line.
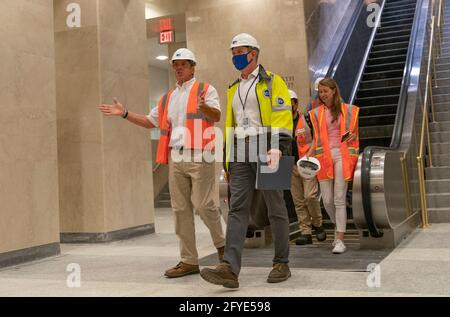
column 190, row 108
column 305, row 192
column 259, row 108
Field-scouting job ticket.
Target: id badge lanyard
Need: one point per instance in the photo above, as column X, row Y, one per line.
column 246, row 120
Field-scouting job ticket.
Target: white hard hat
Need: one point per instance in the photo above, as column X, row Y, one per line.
column 316, row 83
column 184, row 54
column 292, row 94
column 308, row 167
column 244, row 39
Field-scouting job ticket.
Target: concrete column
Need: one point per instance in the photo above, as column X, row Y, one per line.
column 29, row 211
column 105, row 167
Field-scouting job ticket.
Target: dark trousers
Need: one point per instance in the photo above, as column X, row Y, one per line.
column 242, row 187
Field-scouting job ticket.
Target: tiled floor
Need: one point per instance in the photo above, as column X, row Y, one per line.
column 420, row 266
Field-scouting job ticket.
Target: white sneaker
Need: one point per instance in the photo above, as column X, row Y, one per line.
column 339, row 247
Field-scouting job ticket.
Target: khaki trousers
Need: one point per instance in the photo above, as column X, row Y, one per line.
column 192, row 186
column 305, row 194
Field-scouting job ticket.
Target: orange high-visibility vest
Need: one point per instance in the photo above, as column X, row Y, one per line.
column 303, row 136
column 196, row 124
column 315, row 103
column 350, row 150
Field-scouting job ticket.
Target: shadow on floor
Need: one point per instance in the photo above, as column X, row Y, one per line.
column 317, row 257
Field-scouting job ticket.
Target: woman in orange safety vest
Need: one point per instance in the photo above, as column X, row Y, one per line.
column 336, row 146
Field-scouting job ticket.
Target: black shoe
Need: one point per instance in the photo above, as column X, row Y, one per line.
column 304, row 239
column 320, row 233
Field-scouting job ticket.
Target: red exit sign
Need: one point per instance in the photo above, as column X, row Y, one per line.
column 166, row 37
column 165, row 24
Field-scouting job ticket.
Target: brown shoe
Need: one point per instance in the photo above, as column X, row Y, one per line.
column 182, row 269
column 220, row 253
column 279, row 273
column 221, row 275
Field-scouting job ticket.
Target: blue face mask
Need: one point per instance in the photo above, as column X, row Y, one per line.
column 240, row 61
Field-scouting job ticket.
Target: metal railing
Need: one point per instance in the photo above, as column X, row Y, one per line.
column 434, row 51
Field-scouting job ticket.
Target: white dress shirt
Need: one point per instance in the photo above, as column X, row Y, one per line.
column 251, row 105
column 178, row 107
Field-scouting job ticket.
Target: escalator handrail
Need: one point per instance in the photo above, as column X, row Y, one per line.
column 341, row 48
column 366, row 160
column 366, row 56
column 345, row 40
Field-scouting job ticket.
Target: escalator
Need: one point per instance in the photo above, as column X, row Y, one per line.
column 382, row 70
column 379, row 90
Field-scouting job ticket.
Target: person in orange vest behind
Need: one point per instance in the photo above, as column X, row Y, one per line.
column 305, row 192
column 182, row 113
column 336, row 146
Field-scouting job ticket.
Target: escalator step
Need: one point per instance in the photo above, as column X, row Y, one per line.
column 367, row 121
column 377, row 110
column 382, row 91
column 399, row 27
column 384, row 142
column 388, row 40
column 385, row 82
column 405, row 16
column 396, row 12
column 373, row 101
column 391, row 3
column 386, row 60
column 405, row 6
column 393, row 34
column 396, row 22
column 385, row 67
column 375, row 132
column 395, row 52
column 390, row 46
column 383, row 75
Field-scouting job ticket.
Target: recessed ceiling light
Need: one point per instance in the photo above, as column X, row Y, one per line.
column 162, row 58
column 194, row 19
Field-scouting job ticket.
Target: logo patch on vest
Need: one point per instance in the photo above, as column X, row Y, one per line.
column 280, row 101
column 267, row 93
column 298, row 131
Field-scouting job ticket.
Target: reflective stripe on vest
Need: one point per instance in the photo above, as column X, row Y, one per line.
column 162, row 154
column 197, row 123
column 303, row 136
column 319, row 149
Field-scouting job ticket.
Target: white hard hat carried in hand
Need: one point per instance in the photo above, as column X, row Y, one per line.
column 244, row 39
column 308, row 167
column 184, row 54
column 292, row 94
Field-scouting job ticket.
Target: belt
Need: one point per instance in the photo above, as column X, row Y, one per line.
column 247, row 139
column 181, row 149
